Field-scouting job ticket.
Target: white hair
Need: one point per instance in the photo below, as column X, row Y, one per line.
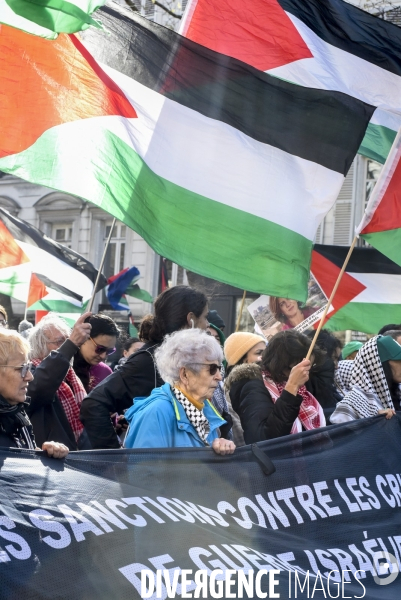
column 186, row 348
column 37, row 335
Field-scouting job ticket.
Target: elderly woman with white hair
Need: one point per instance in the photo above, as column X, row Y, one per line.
column 56, row 391
column 179, row 414
column 15, row 375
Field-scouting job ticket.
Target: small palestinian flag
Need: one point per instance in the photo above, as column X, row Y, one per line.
column 41, row 272
column 381, row 223
column 325, row 44
column 223, row 169
column 369, row 295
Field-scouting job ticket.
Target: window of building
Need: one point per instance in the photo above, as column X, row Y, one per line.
column 62, row 233
column 115, row 257
column 373, row 169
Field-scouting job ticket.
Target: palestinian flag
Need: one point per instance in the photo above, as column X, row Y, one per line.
column 369, row 295
column 41, row 272
column 381, row 222
column 223, row 169
column 325, row 44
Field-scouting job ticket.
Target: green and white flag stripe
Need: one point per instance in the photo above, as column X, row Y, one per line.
column 213, row 141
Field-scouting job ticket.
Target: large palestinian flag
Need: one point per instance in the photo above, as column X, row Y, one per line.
column 325, row 44
column 223, row 169
column 369, row 295
column 41, row 272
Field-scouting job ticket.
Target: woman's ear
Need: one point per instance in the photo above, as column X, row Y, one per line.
column 191, row 320
column 183, row 376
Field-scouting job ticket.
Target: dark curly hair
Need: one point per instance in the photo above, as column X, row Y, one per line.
column 327, row 341
column 285, row 350
column 171, row 311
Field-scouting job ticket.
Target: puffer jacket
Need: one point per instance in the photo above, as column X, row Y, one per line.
column 261, row 418
column 160, row 421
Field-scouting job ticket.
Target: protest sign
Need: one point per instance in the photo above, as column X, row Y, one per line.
column 272, row 314
column 88, row 527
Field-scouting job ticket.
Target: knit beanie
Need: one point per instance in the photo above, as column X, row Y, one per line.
column 350, row 348
column 238, row 344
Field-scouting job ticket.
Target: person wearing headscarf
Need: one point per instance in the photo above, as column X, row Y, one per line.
column 375, row 376
column 350, row 350
column 342, row 376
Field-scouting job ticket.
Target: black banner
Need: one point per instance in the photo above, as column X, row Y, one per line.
column 327, row 519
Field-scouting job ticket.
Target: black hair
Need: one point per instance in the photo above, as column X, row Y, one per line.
column 128, row 342
column 285, row 350
column 102, row 325
column 390, row 327
column 171, row 311
column 326, row 341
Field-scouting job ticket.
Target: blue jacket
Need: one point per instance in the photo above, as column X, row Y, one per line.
column 160, row 421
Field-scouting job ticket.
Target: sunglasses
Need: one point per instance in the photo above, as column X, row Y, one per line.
column 23, row 368
column 102, row 349
column 213, row 368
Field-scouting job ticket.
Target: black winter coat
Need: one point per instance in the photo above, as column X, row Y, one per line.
column 45, row 411
column 136, row 377
column 261, row 418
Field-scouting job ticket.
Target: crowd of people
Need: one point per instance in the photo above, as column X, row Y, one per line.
column 182, row 383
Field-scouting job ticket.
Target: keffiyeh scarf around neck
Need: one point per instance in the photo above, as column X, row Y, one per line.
column 71, row 393
column 195, row 416
column 342, row 376
column 311, row 415
column 369, row 392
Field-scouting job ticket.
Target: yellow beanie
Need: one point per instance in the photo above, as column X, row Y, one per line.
column 238, row 344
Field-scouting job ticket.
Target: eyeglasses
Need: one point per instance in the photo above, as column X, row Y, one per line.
column 23, row 368
column 57, row 342
column 213, row 368
column 102, row 349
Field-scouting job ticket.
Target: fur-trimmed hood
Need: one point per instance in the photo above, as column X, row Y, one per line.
column 245, row 371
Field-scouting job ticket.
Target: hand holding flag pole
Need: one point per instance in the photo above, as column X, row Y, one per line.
column 337, row 283
column 375, row 199
column 92, row 300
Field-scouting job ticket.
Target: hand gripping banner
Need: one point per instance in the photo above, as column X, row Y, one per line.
column 313, row 515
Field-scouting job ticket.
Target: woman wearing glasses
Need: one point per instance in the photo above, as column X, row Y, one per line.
column 15, row 375
column 179, row 414
column 89, row 362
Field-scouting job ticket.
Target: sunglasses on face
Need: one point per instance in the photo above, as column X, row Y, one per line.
column 102, row 349
column 23, row 368
column 213, row 368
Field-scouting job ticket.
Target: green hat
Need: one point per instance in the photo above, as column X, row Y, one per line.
column 350, row 348
column 388, row 348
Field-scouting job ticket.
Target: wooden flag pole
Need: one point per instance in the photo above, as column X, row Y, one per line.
column 340, row 275
column 92, row 300
column 241, row 308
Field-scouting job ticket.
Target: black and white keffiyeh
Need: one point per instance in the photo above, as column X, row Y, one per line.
column 342, row 376
column 370, row 392
column 195, row 416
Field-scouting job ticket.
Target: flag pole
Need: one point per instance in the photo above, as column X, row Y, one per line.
column 92, row 300
column 337, row 283
column 241, row 308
